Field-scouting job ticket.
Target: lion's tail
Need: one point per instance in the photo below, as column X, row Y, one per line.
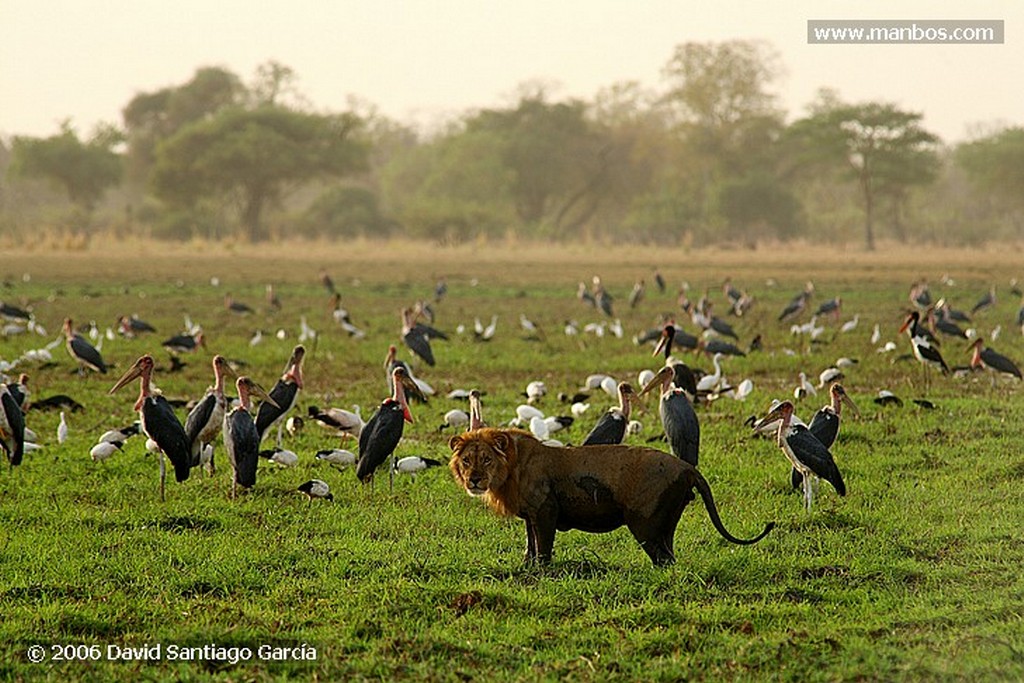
column 709, row 503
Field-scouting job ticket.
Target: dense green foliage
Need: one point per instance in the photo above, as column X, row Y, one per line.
column 914, row 575
column 707, row 157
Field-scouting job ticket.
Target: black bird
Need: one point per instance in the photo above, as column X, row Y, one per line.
column 713, row 346
column 19, row 391
column 831, row 307
column 82, row 351
column 416, row 338
column 327, row 282
column 9, row 312
column 159, row 422
column 392, row 361
column 659, row 281
column 206, row 419
column 58, row 402
column 797, row 304
column 129, row 326
column 284, row 395
column 241, row 439
column 611, row 427
column 673, row 335
column 921, row 346
column 825, row 423
column 12, row 427
column 383, row 431
column 808, row 456
column 987, row 358
column 677, row 416
column 184, row 343
column 236, row 306
column 986, row 301
column 943, row 323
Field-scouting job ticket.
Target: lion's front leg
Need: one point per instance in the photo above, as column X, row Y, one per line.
column 541, row 529
column 531, row 542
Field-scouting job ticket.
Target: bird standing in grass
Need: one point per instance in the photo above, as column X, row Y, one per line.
column 241, row 438
column 159, row 422
column 206, row 419
column 987, row 358
column 317, row 488
column 82, row 351
column 383, row 430
column 285, row 394
column 808, row 456
column 12, row 427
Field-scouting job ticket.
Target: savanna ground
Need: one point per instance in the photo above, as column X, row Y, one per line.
column 914, row 575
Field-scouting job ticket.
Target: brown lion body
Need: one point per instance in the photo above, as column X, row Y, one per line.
column 590, row 488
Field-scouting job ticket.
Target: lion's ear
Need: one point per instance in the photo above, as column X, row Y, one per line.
column 455, row 442
column 502, row 442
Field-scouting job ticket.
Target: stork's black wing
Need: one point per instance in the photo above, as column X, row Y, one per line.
column 14, row 442
column 162, row 425
column 284, row 394
column 681, row 426
column 419, row 344
column 816, row 456
column 242, row 442
column 87, row 353
column 379, row 438
column 196, row 420
column 610, row 429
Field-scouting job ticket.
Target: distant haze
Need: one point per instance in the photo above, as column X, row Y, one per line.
column 421, row 62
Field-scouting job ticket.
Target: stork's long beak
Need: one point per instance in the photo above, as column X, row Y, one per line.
column 659, row 380
column 258, row 391
column 134, row 372
column 906, row 324
column 661, row 344
column 844, row 397
column 408, row 385
column 773, row 415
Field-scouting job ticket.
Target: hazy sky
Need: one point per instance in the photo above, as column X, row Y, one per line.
column 423, row 60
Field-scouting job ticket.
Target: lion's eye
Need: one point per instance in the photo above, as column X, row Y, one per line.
column 486, row 460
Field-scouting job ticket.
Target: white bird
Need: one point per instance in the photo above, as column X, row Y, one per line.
column 414, row 464
column 645, row 377
column 804, row 388
column 829, row 375
column 596, row 329
column 62, row 429
column 256, row 338
column 594, row 381
column 578, row 408
column 487, row 333
column 281, row 456
column 845, row 362
column 104, row 450
column 615, row 327
column 634, row 427
column 850, row 325
column 876, row 335
column 994, row 334
column 556, row 424
column 535, row 390
column 455, row 418
column 527, row 324
column 539, row 428
column 709, row 383
column 743, row 390
column 305, row 331
column 610, row 386
column 337, row 456
column 525, row 413
column 572, row 328
column 317, row 488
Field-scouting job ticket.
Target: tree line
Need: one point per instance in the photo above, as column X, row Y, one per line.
column 708, row 157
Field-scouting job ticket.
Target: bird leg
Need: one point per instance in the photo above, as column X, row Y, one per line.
column 163, row 473
column 808, row 491
column 280, row 426
column 391, row 474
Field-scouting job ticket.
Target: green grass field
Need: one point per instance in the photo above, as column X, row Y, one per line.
column 914, row 575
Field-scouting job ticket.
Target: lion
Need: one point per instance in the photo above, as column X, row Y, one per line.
column 590, row 488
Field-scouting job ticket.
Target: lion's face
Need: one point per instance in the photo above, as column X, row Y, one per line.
column 481, row 463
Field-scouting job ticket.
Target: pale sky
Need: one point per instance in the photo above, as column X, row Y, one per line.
column 420, row 61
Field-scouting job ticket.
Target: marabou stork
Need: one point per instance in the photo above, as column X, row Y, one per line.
column 825, row 423
column 12, row 427
column 672, row 335
column 611, row 428
column 82, row 351
column 236, row 306
column 241, row 438
column 987, row 358
column 659, row 280
column 419, row 390
column 159, row 422
column 284, row 395
column 637, row 295
column 986, row 301
column 797, row 304
column 19, row 390
column 921, row 346
column 808, row 456
column 416, row 338
column 129, row 326
column 184, row 343
column 476, row 413
column 831, row 307
column 383, row 431
column 206, row 419
column 677, row 416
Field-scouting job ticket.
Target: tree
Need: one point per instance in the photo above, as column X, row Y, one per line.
column 254, row 157
column 885, row 150
column 83, row 170
column 995, row 164
column 725, row 119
